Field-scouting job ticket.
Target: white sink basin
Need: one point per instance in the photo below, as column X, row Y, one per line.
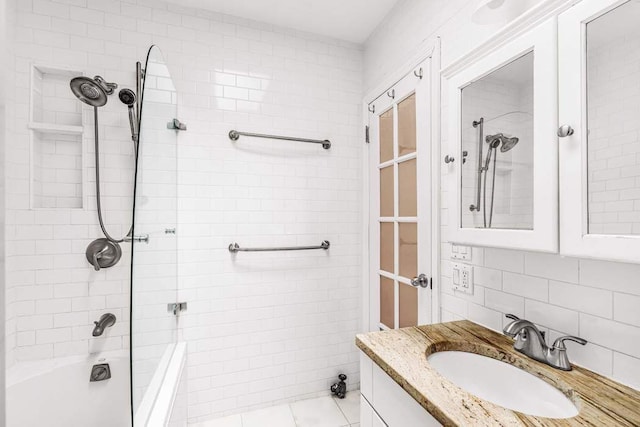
column 502, row 384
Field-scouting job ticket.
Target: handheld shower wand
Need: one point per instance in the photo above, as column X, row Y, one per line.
column 129, row 98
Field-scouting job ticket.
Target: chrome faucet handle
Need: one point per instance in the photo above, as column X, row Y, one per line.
column 559, row 343
column 513, row 317
column 97, row 256
column 557, row 355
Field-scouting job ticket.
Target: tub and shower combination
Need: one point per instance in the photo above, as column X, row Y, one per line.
column 144, row 385
column 59, row 393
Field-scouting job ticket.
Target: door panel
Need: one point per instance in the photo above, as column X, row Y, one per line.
column 408, row 249
column 387, row 191
column 386, row 136
column 399, row 206
column 387, row 302
column 407, row 126
column 407, row 305
column 387, row 252
column 407, row 193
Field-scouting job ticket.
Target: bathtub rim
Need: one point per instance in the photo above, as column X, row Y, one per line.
column 157, row 404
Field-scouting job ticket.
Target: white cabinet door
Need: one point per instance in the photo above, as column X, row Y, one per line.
column 599, row 99
column 368, row 417
column 502, row 159
column 385, row 403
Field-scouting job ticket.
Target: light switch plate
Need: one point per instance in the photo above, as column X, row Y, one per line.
column 461, row 252
column 462, row 279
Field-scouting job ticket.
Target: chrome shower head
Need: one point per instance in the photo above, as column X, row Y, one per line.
column 88, row 91
column 92, row 91
column 127, row 97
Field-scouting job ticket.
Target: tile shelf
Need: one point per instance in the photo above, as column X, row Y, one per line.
column 55, row 128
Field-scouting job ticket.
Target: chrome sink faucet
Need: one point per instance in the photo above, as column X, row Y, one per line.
column 531, row 342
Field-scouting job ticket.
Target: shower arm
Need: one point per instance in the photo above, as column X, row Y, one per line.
column 479, row 124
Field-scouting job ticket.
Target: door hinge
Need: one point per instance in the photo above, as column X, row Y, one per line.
column 366, row 134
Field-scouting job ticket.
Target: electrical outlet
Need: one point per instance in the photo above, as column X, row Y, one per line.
column 461, row 252
column 462, row 278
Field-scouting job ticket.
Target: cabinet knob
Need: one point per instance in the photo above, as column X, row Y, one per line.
column 564, row 131
column 449, row 159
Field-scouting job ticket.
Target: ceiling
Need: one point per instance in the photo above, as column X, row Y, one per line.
column 351, row 20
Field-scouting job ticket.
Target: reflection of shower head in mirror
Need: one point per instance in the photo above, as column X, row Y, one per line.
column 506, row 142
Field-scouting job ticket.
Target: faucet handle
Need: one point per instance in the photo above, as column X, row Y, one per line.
column 511, row 316
column 559, row 343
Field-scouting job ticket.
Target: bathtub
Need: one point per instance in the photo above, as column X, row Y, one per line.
column 57, row 393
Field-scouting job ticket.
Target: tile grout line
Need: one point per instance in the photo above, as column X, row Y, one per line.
column 341, row 411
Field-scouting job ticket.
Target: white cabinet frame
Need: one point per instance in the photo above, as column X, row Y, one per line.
column 574, row 237
column 542, row 41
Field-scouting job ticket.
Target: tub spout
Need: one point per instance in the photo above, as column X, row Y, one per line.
column 105, row 321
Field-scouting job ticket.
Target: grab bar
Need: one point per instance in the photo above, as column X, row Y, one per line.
column 234, row 135
column 234, row 248
column 480, row 124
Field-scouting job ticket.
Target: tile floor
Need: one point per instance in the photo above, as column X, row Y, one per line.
column 318, row 412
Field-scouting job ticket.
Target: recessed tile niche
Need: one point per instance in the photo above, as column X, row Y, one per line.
column 56, row 140
column 57, row 170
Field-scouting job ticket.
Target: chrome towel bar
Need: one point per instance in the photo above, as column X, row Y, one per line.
column 234, row 135
column 234, row 248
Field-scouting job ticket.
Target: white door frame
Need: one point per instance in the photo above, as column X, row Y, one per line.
column 429, row 50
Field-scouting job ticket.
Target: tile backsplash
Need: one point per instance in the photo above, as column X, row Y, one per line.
column 561, row 295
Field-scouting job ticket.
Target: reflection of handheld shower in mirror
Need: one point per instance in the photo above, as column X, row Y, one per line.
column 503, row 141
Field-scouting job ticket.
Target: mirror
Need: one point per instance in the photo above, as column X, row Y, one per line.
column 613, row 121
column 497, row 148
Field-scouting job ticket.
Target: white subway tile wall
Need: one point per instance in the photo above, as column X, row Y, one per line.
column 597, row 300
column 262, row 328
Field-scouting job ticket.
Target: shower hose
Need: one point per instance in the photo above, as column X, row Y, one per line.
column 99, row 206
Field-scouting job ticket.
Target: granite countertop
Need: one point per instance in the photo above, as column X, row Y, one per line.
column 402, row 354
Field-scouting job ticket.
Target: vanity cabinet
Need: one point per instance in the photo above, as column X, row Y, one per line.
column 599, row 111
column 384, row 403
column 502, row 157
